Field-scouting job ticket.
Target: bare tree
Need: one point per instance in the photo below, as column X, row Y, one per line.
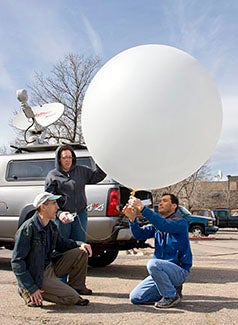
column 188, row 189
column 67, row 85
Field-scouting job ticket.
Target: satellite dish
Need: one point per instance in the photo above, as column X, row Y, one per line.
column 44, row 115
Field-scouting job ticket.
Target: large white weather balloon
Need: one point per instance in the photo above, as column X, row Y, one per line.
column 151, row 116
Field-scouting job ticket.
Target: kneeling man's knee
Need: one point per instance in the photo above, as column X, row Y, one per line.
column 134, row 299
column 152, row 265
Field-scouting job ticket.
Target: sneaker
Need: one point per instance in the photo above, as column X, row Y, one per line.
column 168, row 302
column 179, row 290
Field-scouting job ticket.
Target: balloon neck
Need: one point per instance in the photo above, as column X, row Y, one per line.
column 133, row 192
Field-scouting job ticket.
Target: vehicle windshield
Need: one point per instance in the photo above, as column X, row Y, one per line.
column 205, row 213
column 182, row 211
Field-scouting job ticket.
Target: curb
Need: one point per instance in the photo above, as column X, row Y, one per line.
column 202, row 238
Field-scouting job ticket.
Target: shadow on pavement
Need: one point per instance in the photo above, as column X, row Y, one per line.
column 207, row 304
column 139, row 272
column 102, row 308
column 211, row 275
column 196, row 304
column 5, row 263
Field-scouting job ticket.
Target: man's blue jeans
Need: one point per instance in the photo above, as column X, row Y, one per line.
column 161, row 282
column 76, row 230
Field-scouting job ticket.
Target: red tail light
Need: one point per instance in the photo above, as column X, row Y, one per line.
column 113, row 203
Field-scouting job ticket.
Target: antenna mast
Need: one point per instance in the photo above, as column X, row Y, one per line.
column 36, row 119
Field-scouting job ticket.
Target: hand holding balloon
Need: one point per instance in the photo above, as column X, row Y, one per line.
column 129, row 212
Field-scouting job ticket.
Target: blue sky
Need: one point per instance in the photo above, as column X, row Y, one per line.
column 36, row 34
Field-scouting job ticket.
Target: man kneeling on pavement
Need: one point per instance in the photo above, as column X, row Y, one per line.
column 172, row 259
column 41, row 256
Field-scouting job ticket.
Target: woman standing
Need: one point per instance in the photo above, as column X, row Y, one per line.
column 69, row 180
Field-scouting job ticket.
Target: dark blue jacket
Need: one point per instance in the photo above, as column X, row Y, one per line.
column 71, row 185
column 28, row 259
column 170, row 234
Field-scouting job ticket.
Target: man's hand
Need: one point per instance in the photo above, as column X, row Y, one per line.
column 87, row 249
column 63, row 217
column 36, row 297
column 136, row 203
column 129, row 212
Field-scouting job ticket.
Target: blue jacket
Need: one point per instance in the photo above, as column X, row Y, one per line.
column 28, row 259
column 170, row 234
column 71, row 185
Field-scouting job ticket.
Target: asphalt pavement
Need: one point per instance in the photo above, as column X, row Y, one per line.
column 210, row 295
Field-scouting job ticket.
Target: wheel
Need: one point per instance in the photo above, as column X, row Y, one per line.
column 197, row 230
column 103, row 258
column 26, row 213
column 9, row 246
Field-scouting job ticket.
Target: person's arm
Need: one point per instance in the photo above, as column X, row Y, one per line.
column 158, row 221
column 141, row 233
column 21, row 250
column 97, row 175
column 163, row 224
column 64, row 244
column 50, row 183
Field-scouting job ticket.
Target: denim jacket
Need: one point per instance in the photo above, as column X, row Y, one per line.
column 28, row 258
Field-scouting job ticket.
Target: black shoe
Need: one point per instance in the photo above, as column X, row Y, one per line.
column 85, row 291
column 179, row 290
column 168, row 302
column 82, row 302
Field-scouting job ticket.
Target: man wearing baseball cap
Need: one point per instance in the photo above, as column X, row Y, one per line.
column 41, row 256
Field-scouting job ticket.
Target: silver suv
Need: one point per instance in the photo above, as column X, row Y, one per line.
column 22, row 176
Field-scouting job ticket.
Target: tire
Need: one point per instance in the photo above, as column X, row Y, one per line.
column 103, row 258
column 26, row 213
column 197, row 231
column 9, row 246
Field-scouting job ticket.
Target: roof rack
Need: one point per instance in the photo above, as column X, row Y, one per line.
column 45, row 147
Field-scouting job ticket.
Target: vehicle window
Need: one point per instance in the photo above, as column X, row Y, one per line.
column 37, row 169
column 84, row 161
column 222, row 214
column 182, row 211
column 205, row 213
column 19, row 170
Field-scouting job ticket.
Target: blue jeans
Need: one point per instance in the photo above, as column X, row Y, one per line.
column 76, row 230
column 161, row 282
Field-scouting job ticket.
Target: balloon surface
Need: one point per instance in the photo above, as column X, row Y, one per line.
column 151, row 116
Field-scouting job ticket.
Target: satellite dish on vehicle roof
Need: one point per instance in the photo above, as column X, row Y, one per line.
column 44, row 115
column 36, row 119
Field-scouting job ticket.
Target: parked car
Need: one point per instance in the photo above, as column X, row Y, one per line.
column 198, row 225
column 22, row 176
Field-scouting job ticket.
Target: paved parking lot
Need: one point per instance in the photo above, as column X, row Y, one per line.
column 210, row 295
